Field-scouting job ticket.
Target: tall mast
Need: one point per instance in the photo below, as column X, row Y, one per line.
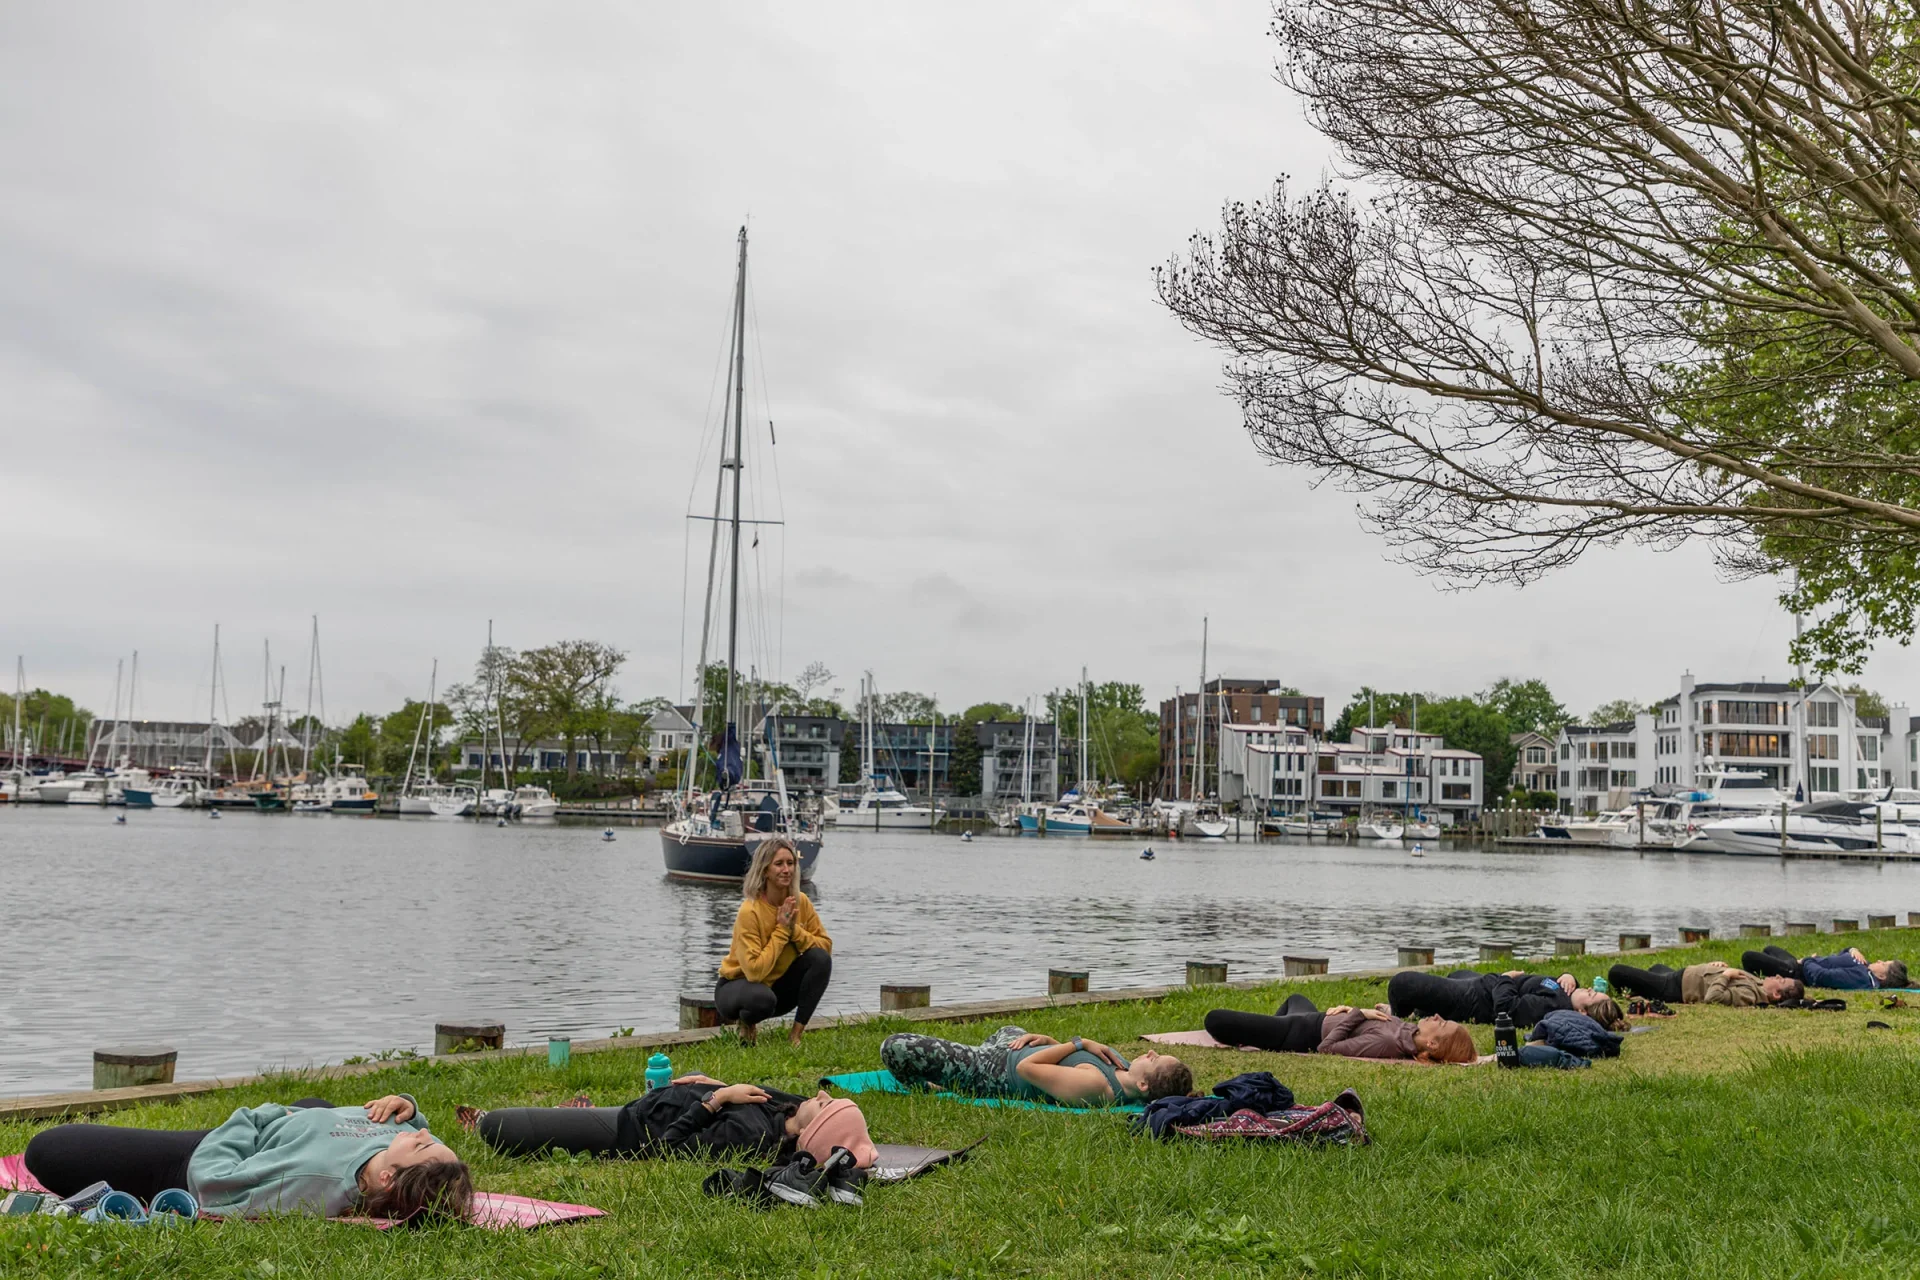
column 1200, row 715
column 433, row 686
column 19, row 696
column 306, row 729
column 213, row 707
column 133, row 683
column 739, row 417
column 1179, row 766
column 1086, row 773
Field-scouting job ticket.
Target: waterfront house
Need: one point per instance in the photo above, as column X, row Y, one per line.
column 1272, row 768
column 1601, row 765
column 808, row 749
column 1243, row 702
column 669, row 731
column 1533, row 763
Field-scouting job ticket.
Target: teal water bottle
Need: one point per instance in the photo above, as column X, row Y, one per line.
column 1600, row 985
column 659, row 1071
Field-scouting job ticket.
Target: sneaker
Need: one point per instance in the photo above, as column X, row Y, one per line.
column 85, row 1198
column 172, row 1207
column 747, row 1185
column 118, row 1206
column 844, row 1177
column 801, row 1181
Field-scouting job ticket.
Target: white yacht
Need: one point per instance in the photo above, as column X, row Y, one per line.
column 1846, row 826
column 881, row 806
column 86, row 789
column 534, row 802
column 176, row 793
column 454, row 802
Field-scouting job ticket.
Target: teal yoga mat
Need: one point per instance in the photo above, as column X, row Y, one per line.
column 883, row 1082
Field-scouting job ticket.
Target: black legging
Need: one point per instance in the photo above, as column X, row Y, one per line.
column 797, row 990
column 528, row 1131
column 1661, row 982
column 1292, row 1028
column 1773, row 962
column 140, row 1162
column 1463, row 996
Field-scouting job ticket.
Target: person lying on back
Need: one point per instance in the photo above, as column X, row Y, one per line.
column 1847, row 970
column 1468, row 995
column 1014, row 1063
column 1297, row 1026
column 1715, row 982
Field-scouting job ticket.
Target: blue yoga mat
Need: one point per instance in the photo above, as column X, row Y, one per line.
column 882, row 1081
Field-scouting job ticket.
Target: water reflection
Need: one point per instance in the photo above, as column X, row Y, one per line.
column 270, row 939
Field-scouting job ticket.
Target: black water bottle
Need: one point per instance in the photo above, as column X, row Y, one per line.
column 1506, row 1041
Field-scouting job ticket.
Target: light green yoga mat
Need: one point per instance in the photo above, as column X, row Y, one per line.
column 883, row 1082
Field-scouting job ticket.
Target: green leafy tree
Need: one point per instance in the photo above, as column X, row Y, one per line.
column 1866, row 702
column 1468, row 724
column 564, row 690
column 1123, row 736
column 1528, row 705
column 1615, row 712
column 1386, row 708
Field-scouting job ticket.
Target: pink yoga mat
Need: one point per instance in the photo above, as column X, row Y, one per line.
column 1201, row 1040
column 492, row 1211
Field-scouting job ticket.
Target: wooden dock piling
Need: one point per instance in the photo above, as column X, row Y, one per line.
column 1496, row 953
column 897, row 996
column 1756, row 931
column 1569, row 946
column 123, row 1066
column 1202, row 973
column 1797, row 927
column 1415, row 957
column 1066, row 982
column 1698, row 933
column 469, row 1035
column 1879, row 922
column 698, row 1011
column 1303, row 966
column 1635, row 941
column 1845, row 926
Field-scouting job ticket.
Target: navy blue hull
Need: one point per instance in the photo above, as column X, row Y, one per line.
column 724, row 859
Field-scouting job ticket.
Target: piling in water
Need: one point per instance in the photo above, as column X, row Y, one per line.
column 698, row 1011
column 1066, row 982
column 1879, row 922
column 1635, row 941
column 894, row 997
column 1699, row 933
column 123, row 1066
column 465, row 1037
column 1845, row 926
column 1802, row 926
column 1569, row 946
column 1415, row 957
column 1756, row 931
column 1496, row 953
column 1303, row 966
column 1201, row 973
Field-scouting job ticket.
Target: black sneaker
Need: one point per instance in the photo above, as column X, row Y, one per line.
column 748, row 1185
column 844, row 1177
column 801, row 1181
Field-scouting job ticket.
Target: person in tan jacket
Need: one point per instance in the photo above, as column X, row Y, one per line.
column 1715, row 982
column 781, row 957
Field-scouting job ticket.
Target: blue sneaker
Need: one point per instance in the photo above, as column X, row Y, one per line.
column 173, row 1207
column 117, row 1206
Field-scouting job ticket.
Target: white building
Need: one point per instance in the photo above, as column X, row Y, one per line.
column 1283, row 769
column 1807, row 739
column 1601, row 765
column 669, row 730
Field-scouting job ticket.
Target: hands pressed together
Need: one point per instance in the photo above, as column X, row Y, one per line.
column 392, row 1109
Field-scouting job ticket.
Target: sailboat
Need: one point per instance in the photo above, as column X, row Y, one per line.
column 715, row 837
column 881, row 805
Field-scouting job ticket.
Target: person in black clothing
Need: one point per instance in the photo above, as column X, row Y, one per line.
column 1467, row 995
column 695, row 1115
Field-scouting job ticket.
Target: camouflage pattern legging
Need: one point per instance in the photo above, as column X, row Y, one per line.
column 942, row 1064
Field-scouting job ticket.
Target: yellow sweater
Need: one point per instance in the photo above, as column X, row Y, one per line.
column 763, row 948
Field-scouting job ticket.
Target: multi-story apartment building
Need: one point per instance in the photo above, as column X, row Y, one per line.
column 1599, row 765
column 901, row 754
column 1006, row 774
column 1280, row 768
column 1242, row 702
column 806, row 747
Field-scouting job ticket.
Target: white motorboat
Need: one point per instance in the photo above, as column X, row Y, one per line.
column 534, row 802
column 1831, row 826
column 1599, row 829
column 454, row 802
column 882, row 807
column 54, row 788
column 176, row 793
column 311, row 804
column 346, row 791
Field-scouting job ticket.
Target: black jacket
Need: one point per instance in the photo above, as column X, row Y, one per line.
column 672, row 1121
column 1527, row 998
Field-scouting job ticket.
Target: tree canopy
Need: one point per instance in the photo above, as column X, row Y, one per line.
column 1620, row 709
column 1528, row 705
column 1622, row 271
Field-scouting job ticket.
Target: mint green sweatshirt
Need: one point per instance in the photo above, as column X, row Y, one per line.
column 276, row 1159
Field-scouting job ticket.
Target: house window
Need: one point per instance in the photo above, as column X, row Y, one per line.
column 1869, row 748
column 1456, row 791
column 1823, row 715
column 1389, row 790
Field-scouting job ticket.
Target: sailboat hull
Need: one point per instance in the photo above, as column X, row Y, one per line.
column 724, row 859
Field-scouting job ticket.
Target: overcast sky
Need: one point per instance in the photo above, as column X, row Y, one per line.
column 408, row 316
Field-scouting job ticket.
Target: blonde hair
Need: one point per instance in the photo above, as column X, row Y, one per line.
column 754, row 885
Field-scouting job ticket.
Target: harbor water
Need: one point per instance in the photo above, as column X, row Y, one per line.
column 271, row 940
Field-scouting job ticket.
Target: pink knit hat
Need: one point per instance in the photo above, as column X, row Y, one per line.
column 839, row 1124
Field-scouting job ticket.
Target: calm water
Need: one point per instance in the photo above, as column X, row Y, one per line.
column 262, row 940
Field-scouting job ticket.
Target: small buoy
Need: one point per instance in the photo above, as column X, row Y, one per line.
column 1146, row 855
column 966, row 837
column 121, row 819
column 607, row 834
column 500, row 822
column 1418, row 852
column 213, row 813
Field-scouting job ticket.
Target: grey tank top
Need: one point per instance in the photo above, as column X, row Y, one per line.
column 1021, row 1088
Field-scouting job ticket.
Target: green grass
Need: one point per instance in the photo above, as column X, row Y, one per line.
column 1724, row 1143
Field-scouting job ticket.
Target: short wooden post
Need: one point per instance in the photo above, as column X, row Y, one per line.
column 123, row 1066
column 1845, row 926
column 1802, row 926
column 697, row 1012
column 1496, row 953
column 1066, row 982
column 1699, row 933
column 1756, row 931
column 465, row 1037
column 1635, row 941
column 1415, row 957
column 1569, row 946
column 1303, row 966
column 1913, row 919
column 1879, row 922
column 897, row 996
column 1201, row 973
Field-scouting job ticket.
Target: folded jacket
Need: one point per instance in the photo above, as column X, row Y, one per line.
column 1255, row 1091
column 1577, row 1034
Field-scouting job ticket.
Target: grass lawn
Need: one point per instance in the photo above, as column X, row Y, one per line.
column 1725, row 1142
